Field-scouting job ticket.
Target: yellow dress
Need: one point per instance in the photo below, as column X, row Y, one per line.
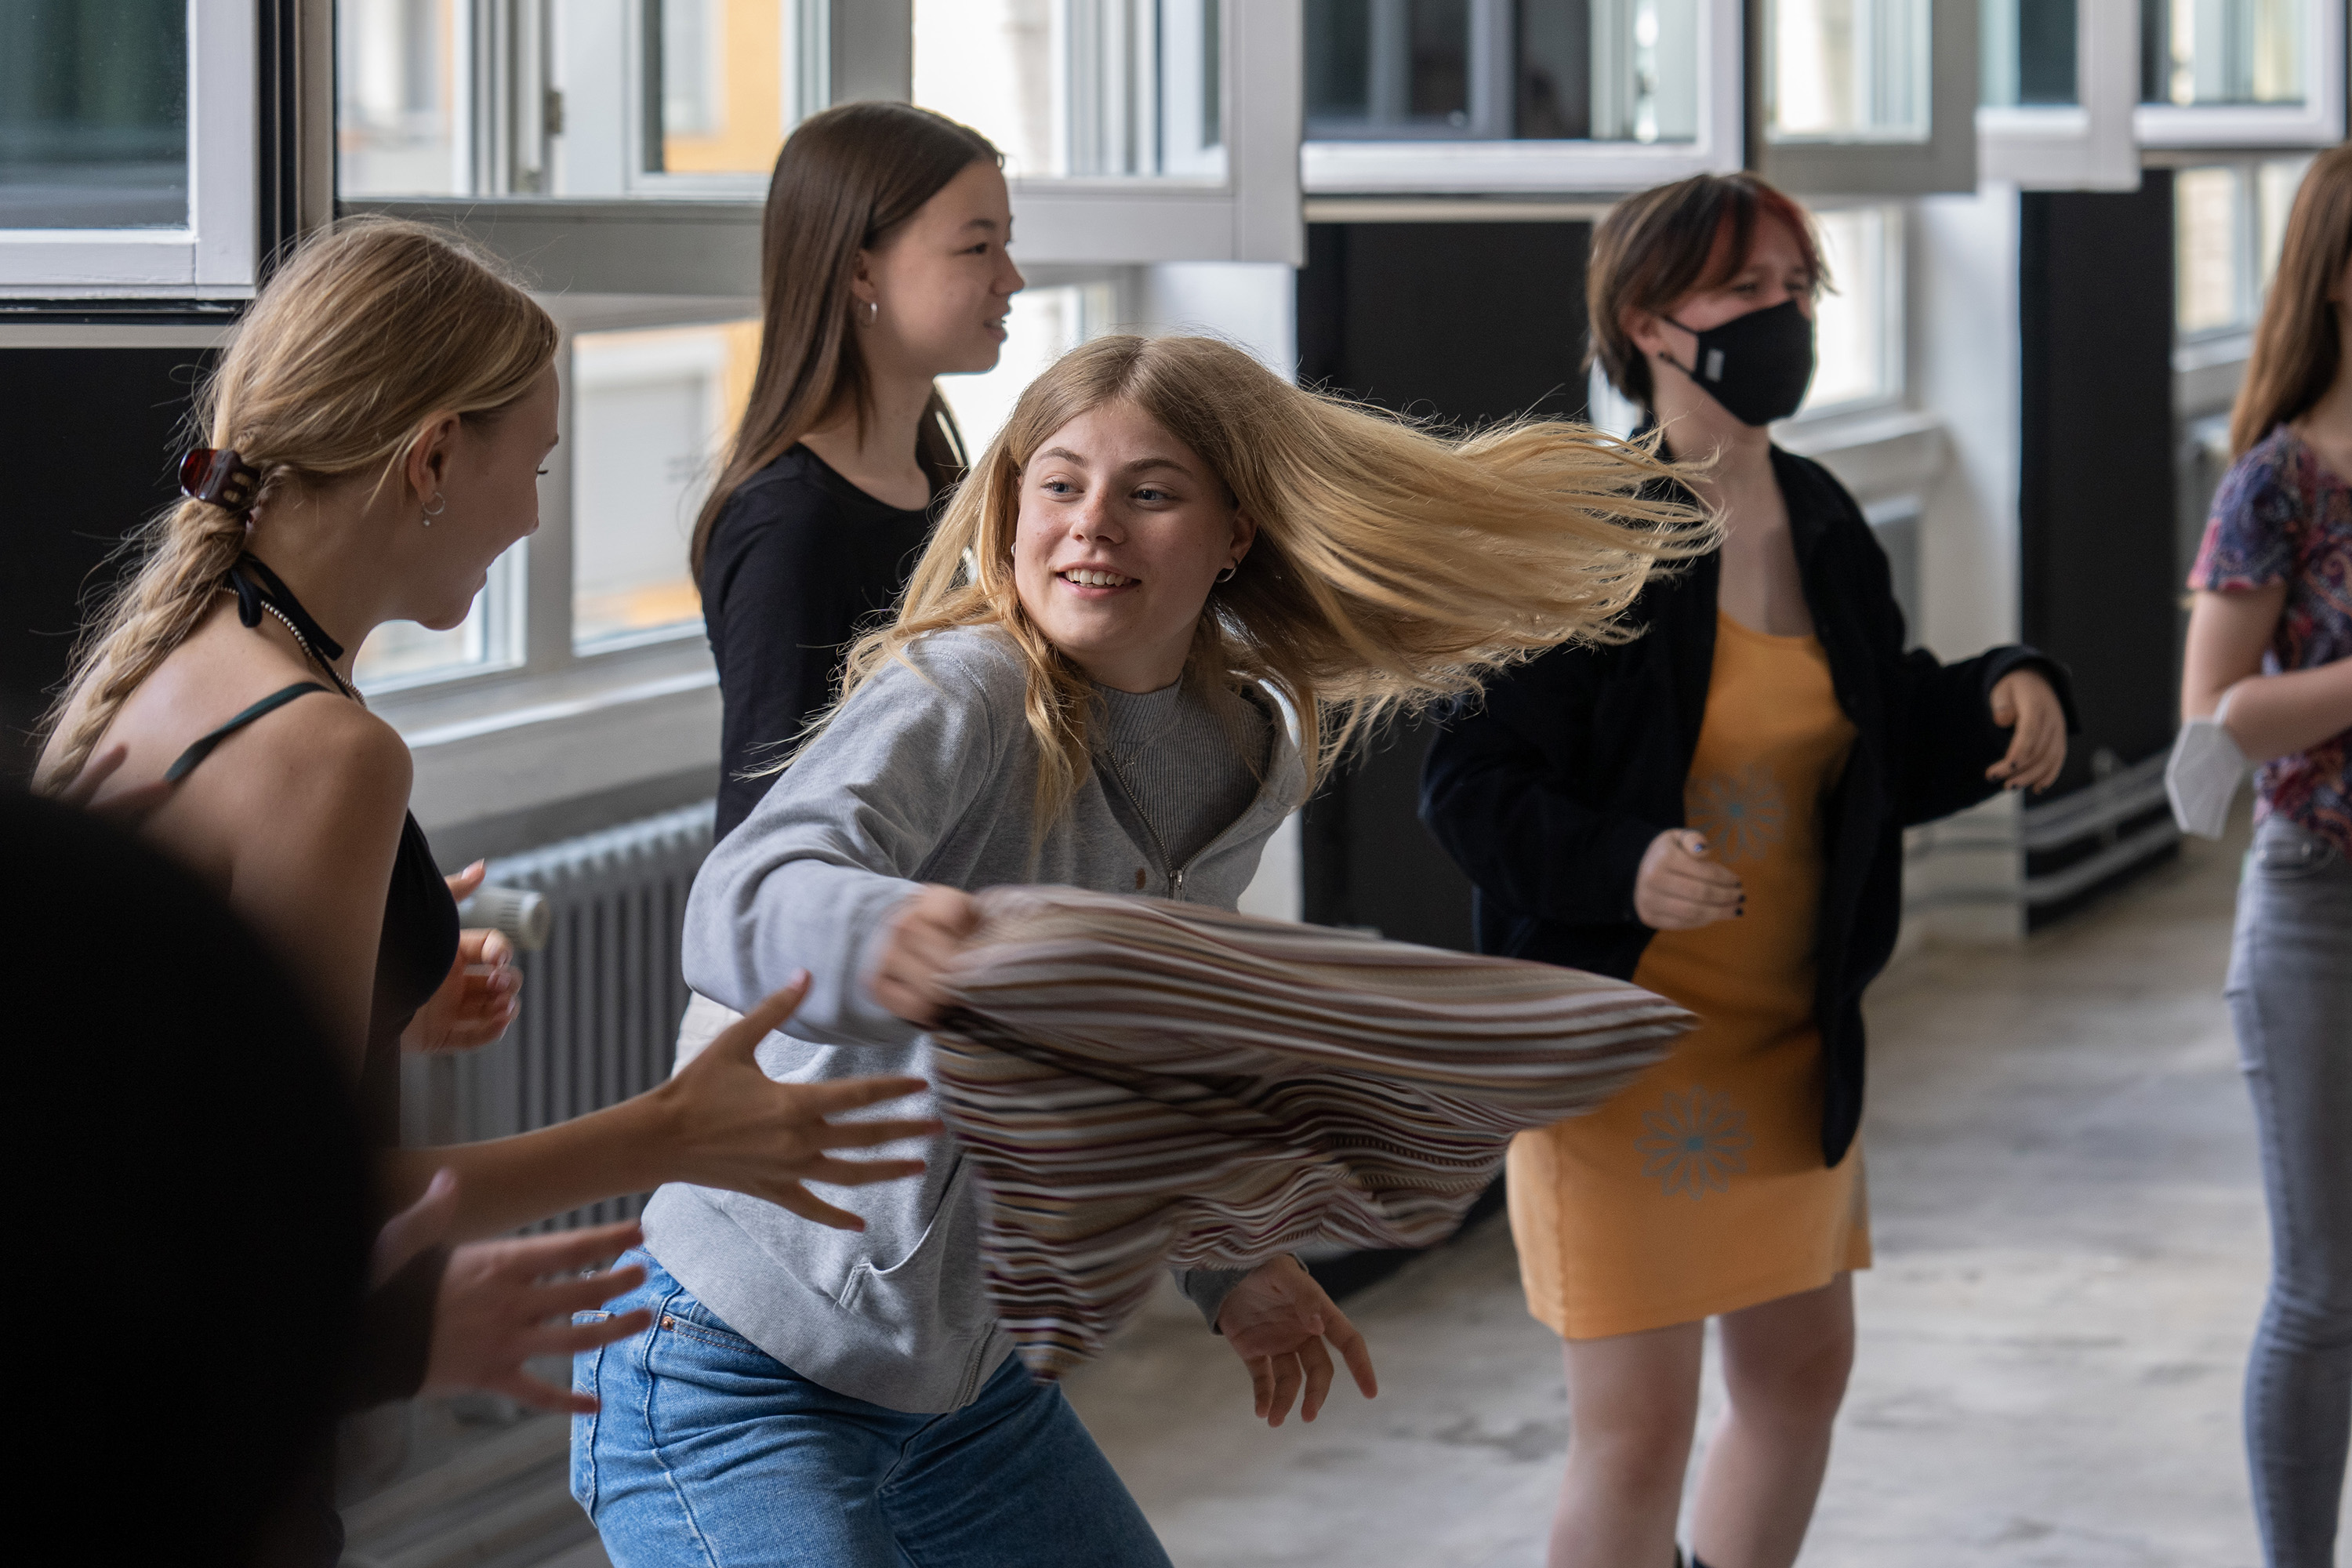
column 1701, row 1189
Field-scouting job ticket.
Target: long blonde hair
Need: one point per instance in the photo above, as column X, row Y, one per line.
column 1392, row 566
column 359, row 341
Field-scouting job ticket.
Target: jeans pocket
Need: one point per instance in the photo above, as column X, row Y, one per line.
column 2283, row 852
column 587, row 1375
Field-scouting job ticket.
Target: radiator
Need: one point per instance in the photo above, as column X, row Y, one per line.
column 601, row 1002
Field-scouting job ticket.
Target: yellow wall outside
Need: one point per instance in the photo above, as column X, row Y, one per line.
column 751, row 127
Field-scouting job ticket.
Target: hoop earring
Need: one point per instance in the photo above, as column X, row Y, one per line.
column 1227, row 574
column 441, row 504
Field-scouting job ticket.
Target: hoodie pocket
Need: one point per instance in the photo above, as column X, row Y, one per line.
column 937, row 1285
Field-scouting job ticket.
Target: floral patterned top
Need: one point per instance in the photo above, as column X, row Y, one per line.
column 2282, row 515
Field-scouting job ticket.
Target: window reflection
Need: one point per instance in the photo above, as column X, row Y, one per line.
column 2222, row 51
column 94, row 115
column 1847, row 71
column 2028, row 53
column 2205, row 204
column 651, row 411
column 396, row 76
column 1080, row 87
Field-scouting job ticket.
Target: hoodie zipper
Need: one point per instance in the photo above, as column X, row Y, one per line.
column 1173, row 873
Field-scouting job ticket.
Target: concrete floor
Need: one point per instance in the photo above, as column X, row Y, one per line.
column 2071, row 1249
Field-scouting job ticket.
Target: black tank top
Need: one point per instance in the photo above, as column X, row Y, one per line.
column 412, row 957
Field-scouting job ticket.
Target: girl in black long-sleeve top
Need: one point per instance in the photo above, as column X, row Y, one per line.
column 1714, row 809
column 883, row 266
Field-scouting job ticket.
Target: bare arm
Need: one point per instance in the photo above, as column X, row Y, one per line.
column 2270, row 716
column 719, row 1122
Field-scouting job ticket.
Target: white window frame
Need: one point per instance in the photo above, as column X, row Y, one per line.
column 2316, row 122
column 1461, row 167
column 1945, row 161
column 214, row 256
column 2089, row 144
column 1893, row 265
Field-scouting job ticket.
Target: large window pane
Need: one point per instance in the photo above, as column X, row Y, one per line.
column 2208, row 254
column 1546, row 70
column 1847, row 71
column 2028, row 53
column 1854, row 328
column 735, row 76
column 2277, row 179
column 651, row 410
column 1043, row 325
column 2222, row 51
column 396, row 122
column 402, row 653
column 1080, row 87
column 94, row 114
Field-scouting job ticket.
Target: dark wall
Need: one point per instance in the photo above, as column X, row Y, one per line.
column 1465, row 323
column 94, row 434
column 2095, row 504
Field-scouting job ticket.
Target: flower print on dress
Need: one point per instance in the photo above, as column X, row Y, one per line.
column 1742, row 815
column 1695, row 1142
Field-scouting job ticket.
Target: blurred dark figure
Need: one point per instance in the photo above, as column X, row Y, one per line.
column 179, row 1122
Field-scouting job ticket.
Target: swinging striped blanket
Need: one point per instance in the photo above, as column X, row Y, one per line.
column 1144, row 1083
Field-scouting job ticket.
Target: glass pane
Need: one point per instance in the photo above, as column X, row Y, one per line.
column 402, row 653
column 1847, row 71
column 735, row 76
column 651, row 410
column 396, row 128
column 1850, row 326
column 2222, row 51
column 1043, row 325
column 94, row 114
column 2277, row 179
column 2205, row 249
column 1608, row 70
column 2028, row 53
column 1080, row 87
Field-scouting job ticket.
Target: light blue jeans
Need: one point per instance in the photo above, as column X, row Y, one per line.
column 710, row 1452
column 2290, row 992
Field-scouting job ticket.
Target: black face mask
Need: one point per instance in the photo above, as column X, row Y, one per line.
column 1757, row 365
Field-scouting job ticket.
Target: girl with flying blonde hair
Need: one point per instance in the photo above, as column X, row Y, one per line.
column 375, row 428
column 1168, row 555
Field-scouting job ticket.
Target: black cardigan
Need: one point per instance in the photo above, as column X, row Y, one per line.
column 1549, row 790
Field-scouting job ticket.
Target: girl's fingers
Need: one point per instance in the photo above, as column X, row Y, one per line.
column 1287, row 1379
column 1317, row 1362
column 585, row 1293
column 809, row 1207
column 867, row 1134
column 858, row 1172
column 571, row 1339
column 744, row 1035
column 1261, row 1369
column 851, row 1093
column 540, row 1395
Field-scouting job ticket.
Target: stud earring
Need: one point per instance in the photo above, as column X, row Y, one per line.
column 872, row 312
column 440, row 504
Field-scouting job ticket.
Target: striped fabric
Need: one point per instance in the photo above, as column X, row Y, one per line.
column 1144, row 1083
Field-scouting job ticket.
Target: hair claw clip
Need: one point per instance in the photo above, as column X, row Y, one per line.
column 219, row 477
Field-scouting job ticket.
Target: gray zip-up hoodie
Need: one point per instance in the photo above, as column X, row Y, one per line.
column 928, row 775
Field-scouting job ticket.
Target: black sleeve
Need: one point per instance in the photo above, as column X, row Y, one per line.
column 1493, row 799
column 787, row 607
column 1940, row 728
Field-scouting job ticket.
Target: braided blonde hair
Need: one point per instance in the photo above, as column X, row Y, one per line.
column 363, row 338
column 1393, row 567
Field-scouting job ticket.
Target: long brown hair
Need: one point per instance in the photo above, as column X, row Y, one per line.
column 357, row 343
column 1393, row 566
column 845, row 180
column 1655, row 248
column 2297, row 349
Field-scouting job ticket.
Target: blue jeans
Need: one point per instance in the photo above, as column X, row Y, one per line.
column 707, row 1451
column 2290, row 992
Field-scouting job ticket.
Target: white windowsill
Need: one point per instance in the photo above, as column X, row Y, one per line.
column 498, row 747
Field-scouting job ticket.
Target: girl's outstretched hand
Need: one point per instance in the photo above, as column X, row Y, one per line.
column 503, row 1302
column 2022, row 700
column 735, row 1128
